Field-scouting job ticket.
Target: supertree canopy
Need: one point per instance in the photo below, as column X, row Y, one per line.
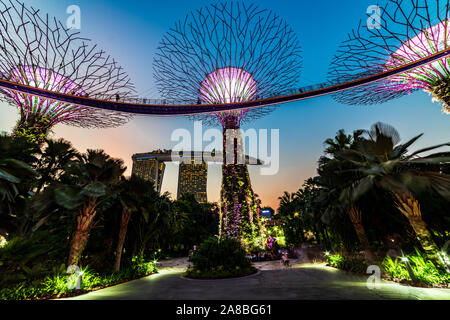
column 42, row 53
column 228, row 85
column 407, row 32
column 230, row 52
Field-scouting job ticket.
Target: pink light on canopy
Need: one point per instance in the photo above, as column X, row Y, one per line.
column 434, row 77
column 228, row 85
column 42, row 78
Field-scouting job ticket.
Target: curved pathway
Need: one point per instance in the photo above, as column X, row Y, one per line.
column 273, row 282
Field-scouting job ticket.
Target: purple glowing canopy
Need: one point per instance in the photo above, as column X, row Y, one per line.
column 228, row 85
column 408, row 31
column 42, row 78
column 430, row 41
column 228, row 51
column 39, row 51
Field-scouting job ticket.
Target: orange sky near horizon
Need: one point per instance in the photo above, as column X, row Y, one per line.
column 143, row 134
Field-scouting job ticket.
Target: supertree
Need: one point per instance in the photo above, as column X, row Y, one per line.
column 41, row 52
column 406, row 31
column 230, row 52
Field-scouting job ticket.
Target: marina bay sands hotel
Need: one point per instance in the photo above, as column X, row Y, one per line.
column 192, row 174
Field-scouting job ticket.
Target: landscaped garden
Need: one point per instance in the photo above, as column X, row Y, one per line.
column 376, row 201
column 71, row 222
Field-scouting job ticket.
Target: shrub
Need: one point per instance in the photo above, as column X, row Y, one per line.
column 216, row 258
column 19, row 260
column 395, row 268
column 57, row 284
column 335, row 260
column 348, row 263
column 424, row 270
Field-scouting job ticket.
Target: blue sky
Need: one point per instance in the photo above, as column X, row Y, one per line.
column 131, row 30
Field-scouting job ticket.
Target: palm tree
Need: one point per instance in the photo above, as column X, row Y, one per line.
column 17, row 178
column 86, row 183
column 381, row 161
column 158, row 219
column 286, row 198
column 340, row 142
column 334, row 175
column 16, row 159
column 135, row 194
column 53, row 159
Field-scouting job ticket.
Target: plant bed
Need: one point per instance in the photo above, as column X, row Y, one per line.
column 219, row 274
column 220, row 259
column 425, row 271
column 427, row 274
column 81, row 292
column 56, row 286
column 411, row 283
column 350, row 263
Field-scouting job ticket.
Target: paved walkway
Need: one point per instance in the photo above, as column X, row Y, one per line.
column 273, row 282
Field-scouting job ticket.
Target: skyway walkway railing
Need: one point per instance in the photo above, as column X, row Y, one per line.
column 161, row 107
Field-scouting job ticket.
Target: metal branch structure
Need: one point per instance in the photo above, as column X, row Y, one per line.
column 409, row 30
column 41, row 52
column 230, row 52
column 223, row 46
column 171, row 108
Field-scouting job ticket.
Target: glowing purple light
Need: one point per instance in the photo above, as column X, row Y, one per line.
column 228, row 85
column 42, row 78
column 426, row 43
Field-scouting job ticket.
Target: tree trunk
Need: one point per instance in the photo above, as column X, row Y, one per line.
column 355, row 217
column 80, row 238
column 126, row 215
column 239, row 218
column 410, row 208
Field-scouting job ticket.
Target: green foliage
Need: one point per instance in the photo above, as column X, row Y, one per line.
column 24, row 259
column 239, row 208
column 276, row 232
column 224, row 255
column 335, row 260
column 92, row 176
column 396, row 268
column 351, row 263
column 424, row 270
column 200, row 221
column 219, row 273
column 45, row 186
column 370, row 169
column 301, row 215
column 16, row 172
column 35, row 129
column 61, row 283
column 3, row 241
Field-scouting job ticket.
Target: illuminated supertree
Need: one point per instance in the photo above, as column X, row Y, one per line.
column 41, row 52
column 402, row 32
column 230, row 52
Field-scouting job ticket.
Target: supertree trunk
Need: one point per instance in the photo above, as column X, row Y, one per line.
column 239, row 211
column 245, row 53
column 35, row 129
